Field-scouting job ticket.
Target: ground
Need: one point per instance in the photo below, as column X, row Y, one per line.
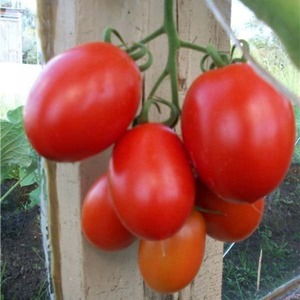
column 23, row 273
column 278, row 237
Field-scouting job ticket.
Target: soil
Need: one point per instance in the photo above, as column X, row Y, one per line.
column 23, row 272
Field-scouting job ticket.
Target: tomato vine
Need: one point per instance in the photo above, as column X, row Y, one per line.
column 139, row 50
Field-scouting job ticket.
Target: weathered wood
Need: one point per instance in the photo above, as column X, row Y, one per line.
column 197, row 24
column 85, row 272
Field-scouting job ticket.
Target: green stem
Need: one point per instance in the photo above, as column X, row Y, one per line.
column 147, row 39
column 215, row 55
column 189, row 45
column 10, row 191
column 173, row 45
column 160, row 79
column 209, row 211
column 153, row 35
column 168, row 28
column 13, row 187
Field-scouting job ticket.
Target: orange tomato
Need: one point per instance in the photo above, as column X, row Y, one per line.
column 231, row 221
column 169, row 265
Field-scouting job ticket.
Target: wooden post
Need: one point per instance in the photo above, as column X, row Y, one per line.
column 81, row 271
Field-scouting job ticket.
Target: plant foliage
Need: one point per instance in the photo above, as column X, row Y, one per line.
column 18, row 160
column 283, row 17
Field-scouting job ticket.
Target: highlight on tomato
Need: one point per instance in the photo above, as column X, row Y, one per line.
column 151, row 181
column 100, row 224
column 239, row 132
column 169, row 265
column 228, row 221
column 82, row 102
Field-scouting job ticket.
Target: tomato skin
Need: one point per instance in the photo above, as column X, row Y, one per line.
column 235, row 222
column 100, row 224
column 151, row 181
column 81, row 104
column 168, row 266
column 239, row 132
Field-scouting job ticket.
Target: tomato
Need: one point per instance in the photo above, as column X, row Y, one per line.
column 82, row 102
column 239, row 132
column 228, row 221
column 151, row 181
column 168, row 266
column 100, row 224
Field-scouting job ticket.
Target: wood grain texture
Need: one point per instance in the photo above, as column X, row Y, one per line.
column 87, row 273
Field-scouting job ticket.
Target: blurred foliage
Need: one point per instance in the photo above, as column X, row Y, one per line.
column 18, row 160
column 30, row 53
column 283, row 16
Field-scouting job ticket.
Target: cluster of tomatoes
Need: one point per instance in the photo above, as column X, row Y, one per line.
column 169, row 192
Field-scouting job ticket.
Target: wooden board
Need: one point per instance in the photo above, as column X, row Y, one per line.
column 81, row 271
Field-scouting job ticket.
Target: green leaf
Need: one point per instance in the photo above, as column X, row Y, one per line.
column 15, row 148
column 15, row 115
column 283, row 16
column 9, row 172
column 35, row 196
column 29, row 178
column 29, row 175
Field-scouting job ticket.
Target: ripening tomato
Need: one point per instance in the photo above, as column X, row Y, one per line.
column 82, row 102
column 169, row 265
column 100, row 224
column 239, row 132
column 151, row 181
column 228, row 221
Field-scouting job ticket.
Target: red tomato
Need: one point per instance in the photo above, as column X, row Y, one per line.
column 82, row 102
column 151, row 181
column 168, row 266
column 100, row 224
column 228, row 221
column 239, row 132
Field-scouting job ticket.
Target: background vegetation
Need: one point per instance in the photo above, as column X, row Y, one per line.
column 30, row 50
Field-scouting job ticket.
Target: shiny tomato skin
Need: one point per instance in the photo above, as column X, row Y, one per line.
column 151, row 181
column 100, row 224
column 228, row 221
column 82, row 102
column 168, row 266
column 239, row 132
